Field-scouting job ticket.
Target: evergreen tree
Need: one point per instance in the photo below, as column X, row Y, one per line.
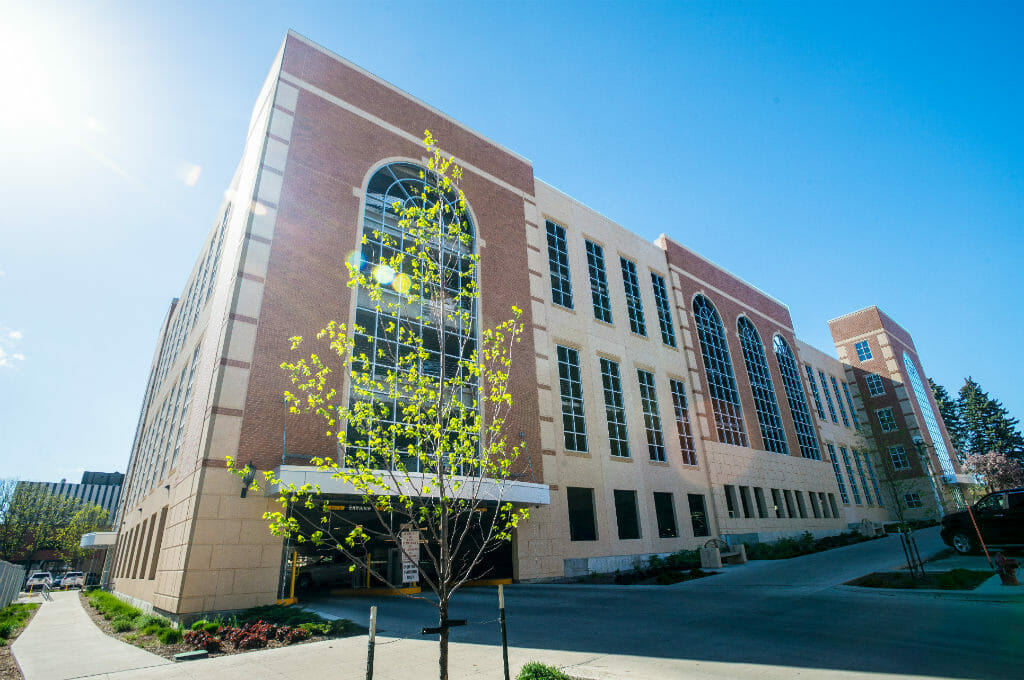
column 949, row 409
column 987, row 425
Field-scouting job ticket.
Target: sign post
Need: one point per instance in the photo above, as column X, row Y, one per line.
column 410, row 556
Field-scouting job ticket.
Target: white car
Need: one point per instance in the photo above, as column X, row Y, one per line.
column 73, row 579
column 38, row 580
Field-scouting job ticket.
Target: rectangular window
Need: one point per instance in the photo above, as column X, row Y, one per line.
column 815, row 510
column 652, row 417
column 863, row 477
column 573, row 423
column 666, row 513
column 698, row 515
column 668, row 333
column 626, row 515
column 863, row 350
column 159, row 543
column 839, row 399
column 779, row 505
column 913, row 500
column 790, row 508
column 898, row 455
column 875, row 385
column 683, row 422
column 614, row 410
column 762, row 509
column 814, row 391
column 886, row 421
column 849, row 475
column 824, row 506
column 839, row 475
column 849, row 402
column 745, row 502
column 800, row 504
column 558, row 264
column 582, row 526
column 598, row 282
column 634, row 306
column 730, row 500
column 828, row 397
column 832, row 504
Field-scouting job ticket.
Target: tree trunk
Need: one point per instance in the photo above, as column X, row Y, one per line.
column 443, row 656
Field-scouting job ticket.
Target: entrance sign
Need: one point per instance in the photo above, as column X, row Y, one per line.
column 410, row 556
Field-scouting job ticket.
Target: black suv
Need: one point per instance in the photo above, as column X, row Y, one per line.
column 1000, row 518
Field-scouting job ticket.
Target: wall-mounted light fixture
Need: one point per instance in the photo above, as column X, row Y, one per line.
column 247, row 480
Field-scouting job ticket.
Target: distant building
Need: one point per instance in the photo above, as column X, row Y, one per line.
column 662, row 400
column 101, row 488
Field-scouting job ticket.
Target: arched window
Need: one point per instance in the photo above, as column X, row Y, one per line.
column 761, row 385
column 447, row 336
column 725, row 400
column 930, row 422
column 797, row 400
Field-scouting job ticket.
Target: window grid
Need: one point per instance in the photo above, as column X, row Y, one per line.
column 652, row 417
column 598, row 282
column 668, row 333
column 839, row 400
column 814, row 391
column 874, row 479
column 863, row 350
column 683, row 422
column 898, row 456
column 797, row 400
column 765, row 404
column 725, row 400
column 876, row 387
column 828, row 397
column 618, row 437
column 573, row 422
column 839, row 474
column 913, row 500
column 849, row 475
column 849, row 402
column 921, row 394
column 862, row 475
column 886, row 421
column 634, row 305
column 558, row 264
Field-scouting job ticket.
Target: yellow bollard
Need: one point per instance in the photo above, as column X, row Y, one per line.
column 295, row 569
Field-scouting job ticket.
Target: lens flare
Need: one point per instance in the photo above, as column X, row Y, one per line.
column 402, row 283
column 384, row 274
column 355, row 260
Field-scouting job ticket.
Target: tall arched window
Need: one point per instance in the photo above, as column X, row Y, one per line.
column 930, row 422
column 797, row 399
column 725, row 400
column 446, row 337
column 761, row 385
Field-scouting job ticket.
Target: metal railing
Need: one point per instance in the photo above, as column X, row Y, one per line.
column 12, row 577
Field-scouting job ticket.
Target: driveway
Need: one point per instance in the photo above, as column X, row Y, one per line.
column 770, row 615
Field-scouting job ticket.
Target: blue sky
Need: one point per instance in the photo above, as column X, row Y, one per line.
column 836, row 156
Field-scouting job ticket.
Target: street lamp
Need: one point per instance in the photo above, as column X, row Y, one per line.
column 926, row 463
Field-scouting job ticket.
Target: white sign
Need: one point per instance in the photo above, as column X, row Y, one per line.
column 410, row 556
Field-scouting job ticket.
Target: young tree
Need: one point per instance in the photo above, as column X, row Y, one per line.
column 987, row 425
column 949, row 409
column 420, row 436
column 32, row 518
column 998, row 470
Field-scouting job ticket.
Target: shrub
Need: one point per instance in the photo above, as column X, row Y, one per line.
column 538, row 671
column 151, row 622
column 122, row 624
column 199, row 625
column 169, row 636
column 316, row 628
column 6, row 629
column 200, row 639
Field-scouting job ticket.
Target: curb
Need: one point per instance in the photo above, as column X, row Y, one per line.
column 967, row 595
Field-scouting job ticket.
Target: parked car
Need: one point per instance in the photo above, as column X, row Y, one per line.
column 73, row 579
column 1000, row 519
column 38, row 579
column 322, row 571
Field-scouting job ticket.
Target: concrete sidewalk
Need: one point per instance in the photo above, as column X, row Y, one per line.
column 62, row 642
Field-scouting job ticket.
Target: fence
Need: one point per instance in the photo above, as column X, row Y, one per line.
column 12, row 577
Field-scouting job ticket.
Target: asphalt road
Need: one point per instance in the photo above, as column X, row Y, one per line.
column 779, row 613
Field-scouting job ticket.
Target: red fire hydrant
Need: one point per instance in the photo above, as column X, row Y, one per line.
column 1007, row 568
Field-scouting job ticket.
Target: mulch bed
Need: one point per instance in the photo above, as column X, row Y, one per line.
column 151, row 644
column 8, row 666
column 957, row 579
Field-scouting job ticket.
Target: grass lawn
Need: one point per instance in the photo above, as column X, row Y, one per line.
column 957, row 579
